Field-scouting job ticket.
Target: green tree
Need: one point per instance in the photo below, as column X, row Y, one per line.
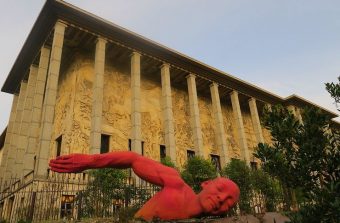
column 239, row 172
column 196, row 170
column 264, row 184
column 304, row 155
column 105, row 186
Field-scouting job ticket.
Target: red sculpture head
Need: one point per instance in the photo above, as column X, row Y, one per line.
column 218, row 195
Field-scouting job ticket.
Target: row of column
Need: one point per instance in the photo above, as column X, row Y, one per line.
column 29, row 132
column 26, row 148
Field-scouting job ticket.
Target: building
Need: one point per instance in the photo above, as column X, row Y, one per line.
column 84, row 85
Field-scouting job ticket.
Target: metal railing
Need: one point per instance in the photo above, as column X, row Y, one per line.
column 74, row 196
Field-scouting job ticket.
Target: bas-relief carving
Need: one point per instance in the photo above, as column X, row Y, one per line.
column 207, row 122
column 117, row 108
column 183, row 133
column 63, row 107
column 74, row 103
column 249, row 132
column 151, row 118
column 73, row 107
column 230, row 131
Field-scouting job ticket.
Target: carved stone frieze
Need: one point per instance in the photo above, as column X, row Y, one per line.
column 183, row 134
column 207, row 122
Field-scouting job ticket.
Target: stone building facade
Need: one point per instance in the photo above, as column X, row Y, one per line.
column 84, row 85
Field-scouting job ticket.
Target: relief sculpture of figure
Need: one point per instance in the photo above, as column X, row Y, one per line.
column 176, row 200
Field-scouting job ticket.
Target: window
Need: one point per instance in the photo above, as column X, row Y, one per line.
column 58, row 141
column 215, row 159
column 130, row 146
column 190, row 154
column 104, row 144
column 66, row 206
column 253, row 165
column 162, row 151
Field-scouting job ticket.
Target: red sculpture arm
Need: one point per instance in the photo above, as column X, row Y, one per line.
column 147, row 169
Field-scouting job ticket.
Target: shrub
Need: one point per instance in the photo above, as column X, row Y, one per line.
column 240, row 173
column 197, row 170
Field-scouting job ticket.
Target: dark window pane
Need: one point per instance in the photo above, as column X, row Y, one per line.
column 162, row 151
column 190, row 154
column 105, row 143
column 253, row 165
column 215, row 159
column 58, row 144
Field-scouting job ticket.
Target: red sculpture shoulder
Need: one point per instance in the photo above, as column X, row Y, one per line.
column 176, row 200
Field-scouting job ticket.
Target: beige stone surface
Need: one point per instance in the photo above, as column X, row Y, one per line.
column 73, row 113
column 50, row 99
column 10, row 161
column 167, row 110
column 207, row 126
column 73, row 107
column 195, row 120
column 152, row 128
column 136, row 115
column 4, row 153
column 238, row 118
column 25, row 121
column 183, row 133
column 249, row 132
column 97, row 99
column 220, row 137
column 230, row 131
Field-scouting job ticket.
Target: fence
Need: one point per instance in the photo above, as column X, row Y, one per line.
column 76, row 196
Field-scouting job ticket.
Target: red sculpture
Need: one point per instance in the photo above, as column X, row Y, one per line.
column 176, row 200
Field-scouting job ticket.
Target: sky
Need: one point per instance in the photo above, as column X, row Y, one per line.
column 286, row 47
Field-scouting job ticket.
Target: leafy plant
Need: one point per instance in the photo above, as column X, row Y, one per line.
column 334, row 90
column 104, row 187
column 267, row 186
column 167, row 162
column 305, row 157
column 240, row 173
column 197, row 170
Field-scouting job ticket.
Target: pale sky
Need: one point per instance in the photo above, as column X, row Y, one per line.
column 286, row 47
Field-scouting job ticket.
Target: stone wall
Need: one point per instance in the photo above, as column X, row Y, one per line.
column 73, row 114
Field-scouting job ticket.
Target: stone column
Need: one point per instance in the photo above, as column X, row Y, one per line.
column 7, row 143
column 50, row 100
column 97, row 98
column 10, row 172
column 240, row 127
column 195, row 116
column 256, row 120
column 221, row 140
column 25, row 121
column 33, row 133
column 136, row 136
column 168, row 119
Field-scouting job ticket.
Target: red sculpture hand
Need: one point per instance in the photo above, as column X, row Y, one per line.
column 73, row 163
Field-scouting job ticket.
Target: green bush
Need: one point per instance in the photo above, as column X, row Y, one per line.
column 239, row 172
column 104, row 187
column 197, row 170
column 265, row 185
column 167, row 162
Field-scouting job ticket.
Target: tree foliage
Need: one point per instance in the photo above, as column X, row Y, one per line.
column 167, row 162
column 305, row 155
column 334, row 90
column 196, row 170
column 240, row 173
